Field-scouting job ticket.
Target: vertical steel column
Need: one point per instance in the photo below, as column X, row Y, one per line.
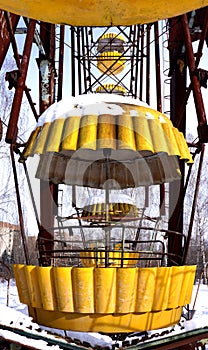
column 176, row 197
column 132, row 76
column 137, row 62
column 88, row 60
column 72, row 61
column 79, row 60
column 159, row 102
column 61, row 63
column 148, row 64
column 48, row 191
column 142, row 64
column 84, row 60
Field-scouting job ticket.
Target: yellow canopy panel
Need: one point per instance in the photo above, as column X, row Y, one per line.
column 111, row 299
column 102, row 12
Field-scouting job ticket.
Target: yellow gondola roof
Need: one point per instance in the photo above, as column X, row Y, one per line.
column 102, row 12
column 98, row 121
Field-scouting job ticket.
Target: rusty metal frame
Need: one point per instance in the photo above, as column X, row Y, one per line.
column 12, row 130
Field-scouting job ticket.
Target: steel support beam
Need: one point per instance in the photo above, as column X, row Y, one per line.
column 48, row 191
column 176, row 198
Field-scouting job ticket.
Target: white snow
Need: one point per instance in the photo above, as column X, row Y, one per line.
column 16, row 315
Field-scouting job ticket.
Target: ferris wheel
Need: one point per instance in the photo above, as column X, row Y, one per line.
column 110, row 142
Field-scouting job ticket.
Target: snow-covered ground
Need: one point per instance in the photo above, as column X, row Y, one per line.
column 16, row 315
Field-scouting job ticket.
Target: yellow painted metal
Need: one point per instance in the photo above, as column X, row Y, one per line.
column 63, row 288
column 88, row 132
column 126, row 290
column 105, row 290
column 145, row 289
column 31, row 141
column 111, row 36
column 21, row 281
column 47, row 288
column 33, row 286
column 162, row 288
column 83, row 289
column 177, row 279
column 106, row 135
column 54, row 135
column 126, row 138
column 157, row 134
column 111, row 62
column 140, row 129
column 187, row 281
column 70, row 133
column 108, row 323
column 40, row 141
column 170, row 139
column 102, row 12
column 114, row 258
column 117, row 89
column 107, row 299
column 142, row 135
column 116, row 211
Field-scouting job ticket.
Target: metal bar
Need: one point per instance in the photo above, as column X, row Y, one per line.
column 51, row 54
column 12, row 127
column 88, row 60
column 79, row 61
column 72, row 61
column 32, row 104
column 157, row 68
column 194, row 205
column 159, row 103
column 84, row 58
column 23, row 235
column 61, row 63
column 142, row 64
column 137, row 62
column 148, row 65
column 132, row 77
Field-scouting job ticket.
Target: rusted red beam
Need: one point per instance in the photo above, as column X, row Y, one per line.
column 12, row 127
column 19, row 206
column 8, row 18
column 5, row 38
column 200, row 110
column 12, row 38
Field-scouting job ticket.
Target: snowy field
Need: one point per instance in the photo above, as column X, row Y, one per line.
column 16, row 315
